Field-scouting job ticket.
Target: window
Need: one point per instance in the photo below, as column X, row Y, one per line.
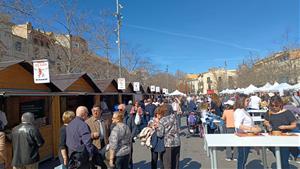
column 35, row 41
column 18, row 46
column 76, row 45
column 208, row 79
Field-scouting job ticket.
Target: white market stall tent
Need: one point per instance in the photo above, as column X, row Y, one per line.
column 264, row 88
column 296, row 87
column 250, row 89
column 280, row 87
column 228, row 91
column 239, row 90
column 177, row 93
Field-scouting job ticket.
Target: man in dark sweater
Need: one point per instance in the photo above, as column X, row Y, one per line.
column 149, row 110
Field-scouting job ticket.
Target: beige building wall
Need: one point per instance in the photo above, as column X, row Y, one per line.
column 25, row 43
column 281, row 67
column 217, row 80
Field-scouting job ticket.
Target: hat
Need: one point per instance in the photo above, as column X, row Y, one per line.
column 229, row 102
column 271, row 94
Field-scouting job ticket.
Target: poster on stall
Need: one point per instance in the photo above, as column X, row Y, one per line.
column 41, row 71
column 136, row 86
column 157, row 89
column 152, row 88
column 121, row 84
column 164, row 91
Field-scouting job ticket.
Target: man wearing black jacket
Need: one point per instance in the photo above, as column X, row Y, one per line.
column 26, row 141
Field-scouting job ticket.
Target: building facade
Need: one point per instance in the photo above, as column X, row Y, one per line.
column 23, row 42
column 281, row 67
column 216, row 80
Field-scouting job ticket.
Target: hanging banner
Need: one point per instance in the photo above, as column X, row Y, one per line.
column 152, row 88
column 41, row 71
column 136, row 86
column 157, row 89
column 121, row 84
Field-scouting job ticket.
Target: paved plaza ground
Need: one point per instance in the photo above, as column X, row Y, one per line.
column 192, row 156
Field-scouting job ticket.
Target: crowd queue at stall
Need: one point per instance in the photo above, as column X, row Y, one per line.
column 92, row 124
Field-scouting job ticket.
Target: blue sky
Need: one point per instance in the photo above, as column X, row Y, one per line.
column 195, row 35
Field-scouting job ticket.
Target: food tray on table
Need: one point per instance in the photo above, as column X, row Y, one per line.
column 248, row 134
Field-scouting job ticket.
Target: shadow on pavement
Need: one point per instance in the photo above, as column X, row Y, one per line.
column 142, row 164
column 187, row 163
column 273, row 166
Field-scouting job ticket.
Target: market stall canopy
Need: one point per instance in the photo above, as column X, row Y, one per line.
column 107, row 86
column 177, row 93
column 75, row 82
column 17, row 78
column 239, row 90
column 128, row 89
column 273, row 86
column 296, row 87
column 264, row 88
column 250, row 89
column 280, row 87
column 228, row 91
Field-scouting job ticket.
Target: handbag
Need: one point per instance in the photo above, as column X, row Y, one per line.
column 137, row 119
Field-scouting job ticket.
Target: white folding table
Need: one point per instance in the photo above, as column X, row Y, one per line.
column 260, row 112
column 214, row 141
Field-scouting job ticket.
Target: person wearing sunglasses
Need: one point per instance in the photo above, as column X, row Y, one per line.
column 279, row 119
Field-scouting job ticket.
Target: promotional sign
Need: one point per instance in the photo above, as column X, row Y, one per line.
column 167, row 91
column 164, row 90
column 136, row 86
column 41, row 71
column 157, row 89
column 152, row 88
column 121, row 84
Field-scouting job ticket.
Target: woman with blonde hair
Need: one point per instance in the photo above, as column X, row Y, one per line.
column 67, row 117
column 119, row 143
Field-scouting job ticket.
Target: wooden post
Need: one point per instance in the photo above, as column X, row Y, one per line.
column 120, row 98
column 56, row 122
column 97, row 100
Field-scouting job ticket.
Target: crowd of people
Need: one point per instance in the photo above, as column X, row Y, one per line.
column 87, row 140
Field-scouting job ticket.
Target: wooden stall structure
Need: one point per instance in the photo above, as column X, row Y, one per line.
column 19, row 94
column 76, row 90
column 140, row 95
column 110, row 92
column 127, row 94
column 149, row 93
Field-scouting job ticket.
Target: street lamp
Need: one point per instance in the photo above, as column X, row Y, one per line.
column 119, row 21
